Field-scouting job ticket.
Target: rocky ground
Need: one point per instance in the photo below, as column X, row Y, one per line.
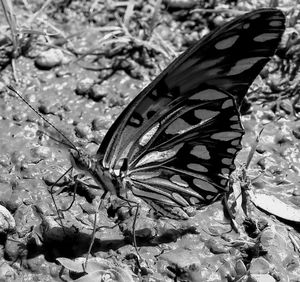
column 79, row 64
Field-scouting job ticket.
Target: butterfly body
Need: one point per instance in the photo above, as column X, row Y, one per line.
column 174, row 145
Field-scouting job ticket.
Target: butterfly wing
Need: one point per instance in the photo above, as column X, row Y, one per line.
column 180, row 135
column 229, row 58
column 185, row 158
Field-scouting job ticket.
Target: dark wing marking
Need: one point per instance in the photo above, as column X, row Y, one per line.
column 229, row 59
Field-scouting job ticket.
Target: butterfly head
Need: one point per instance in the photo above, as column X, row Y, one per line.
column 80, row 160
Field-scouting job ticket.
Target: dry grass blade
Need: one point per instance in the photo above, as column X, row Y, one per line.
column 39, row 12
column 227, row 11
column 11, row 20
column 155, row 16
column 253, row 149
column 129, row 12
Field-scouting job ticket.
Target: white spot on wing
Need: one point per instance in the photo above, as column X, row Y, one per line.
column 157, row 156
column 231, row 150
column 227, row 104
column 205, row 185
column 225, row 135
column 236, row 126
column 200, row 151
column 194, row 200
column 226, row 161
column 244, row 64
column 226, row 43
column 265, row 37
column 225, row 171
column 234, row 118
column 208, row 95
column 254, row 17
column 177, row 126
column 235, row 142
column 208, row 64
column 148, row 135
column 180, row 199
column 275, row 23
column 205, row 114
column 144, row 175
column 176, row 179
column 197, row 167
column 246, row 26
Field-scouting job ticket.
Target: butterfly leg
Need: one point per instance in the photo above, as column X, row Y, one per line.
column 94, row 228
column 60, row 216
column 133, row 204
column 228, row 212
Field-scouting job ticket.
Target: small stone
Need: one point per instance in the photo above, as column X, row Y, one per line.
column 35, row 264
column 240, row 268
column 19, row 116
column 261, row 278
column 4, row 160
column 97, row 93
column 216, row 247
column 98, row 136
column 49, row 59
column 82, row 130
column 259, row 266
column 296, row 132
column 17, row 158
column 62, row 73
column 5, row 192
column 41, row 152
column 84, row 86
column 7, row 221
column 14, row 249
column 267, row 237
column 7, row 273
column 98, row 124
column 46, row 108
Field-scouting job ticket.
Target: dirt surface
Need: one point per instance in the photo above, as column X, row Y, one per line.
column 79, row 64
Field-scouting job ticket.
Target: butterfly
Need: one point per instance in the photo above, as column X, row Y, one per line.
column 175, row 144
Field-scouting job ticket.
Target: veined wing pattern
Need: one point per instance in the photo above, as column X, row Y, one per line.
column 174, row 145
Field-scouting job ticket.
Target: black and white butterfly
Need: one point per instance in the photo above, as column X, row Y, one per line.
column 174, row 145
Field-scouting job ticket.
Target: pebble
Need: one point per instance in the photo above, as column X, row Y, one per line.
column 216, row 247
column 259, row 266
column 49, row 59
column 267, row 237
column 63, row 73
column 84, row 86
column 296, row 132
column 261, row 278
column 5, row 192
column 83, row 130
column 37, row 264
column 41, row 152
column 4, row 160
column 7, row 273
column 240, row 268
column 97, row 93
column 46, row 108
column 98, row 124
column 98, row 136
column 180, row 4
column 14, row 249
column 7, row 221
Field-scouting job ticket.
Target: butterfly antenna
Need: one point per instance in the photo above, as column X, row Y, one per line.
column 54, row 139
column 45, row 120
